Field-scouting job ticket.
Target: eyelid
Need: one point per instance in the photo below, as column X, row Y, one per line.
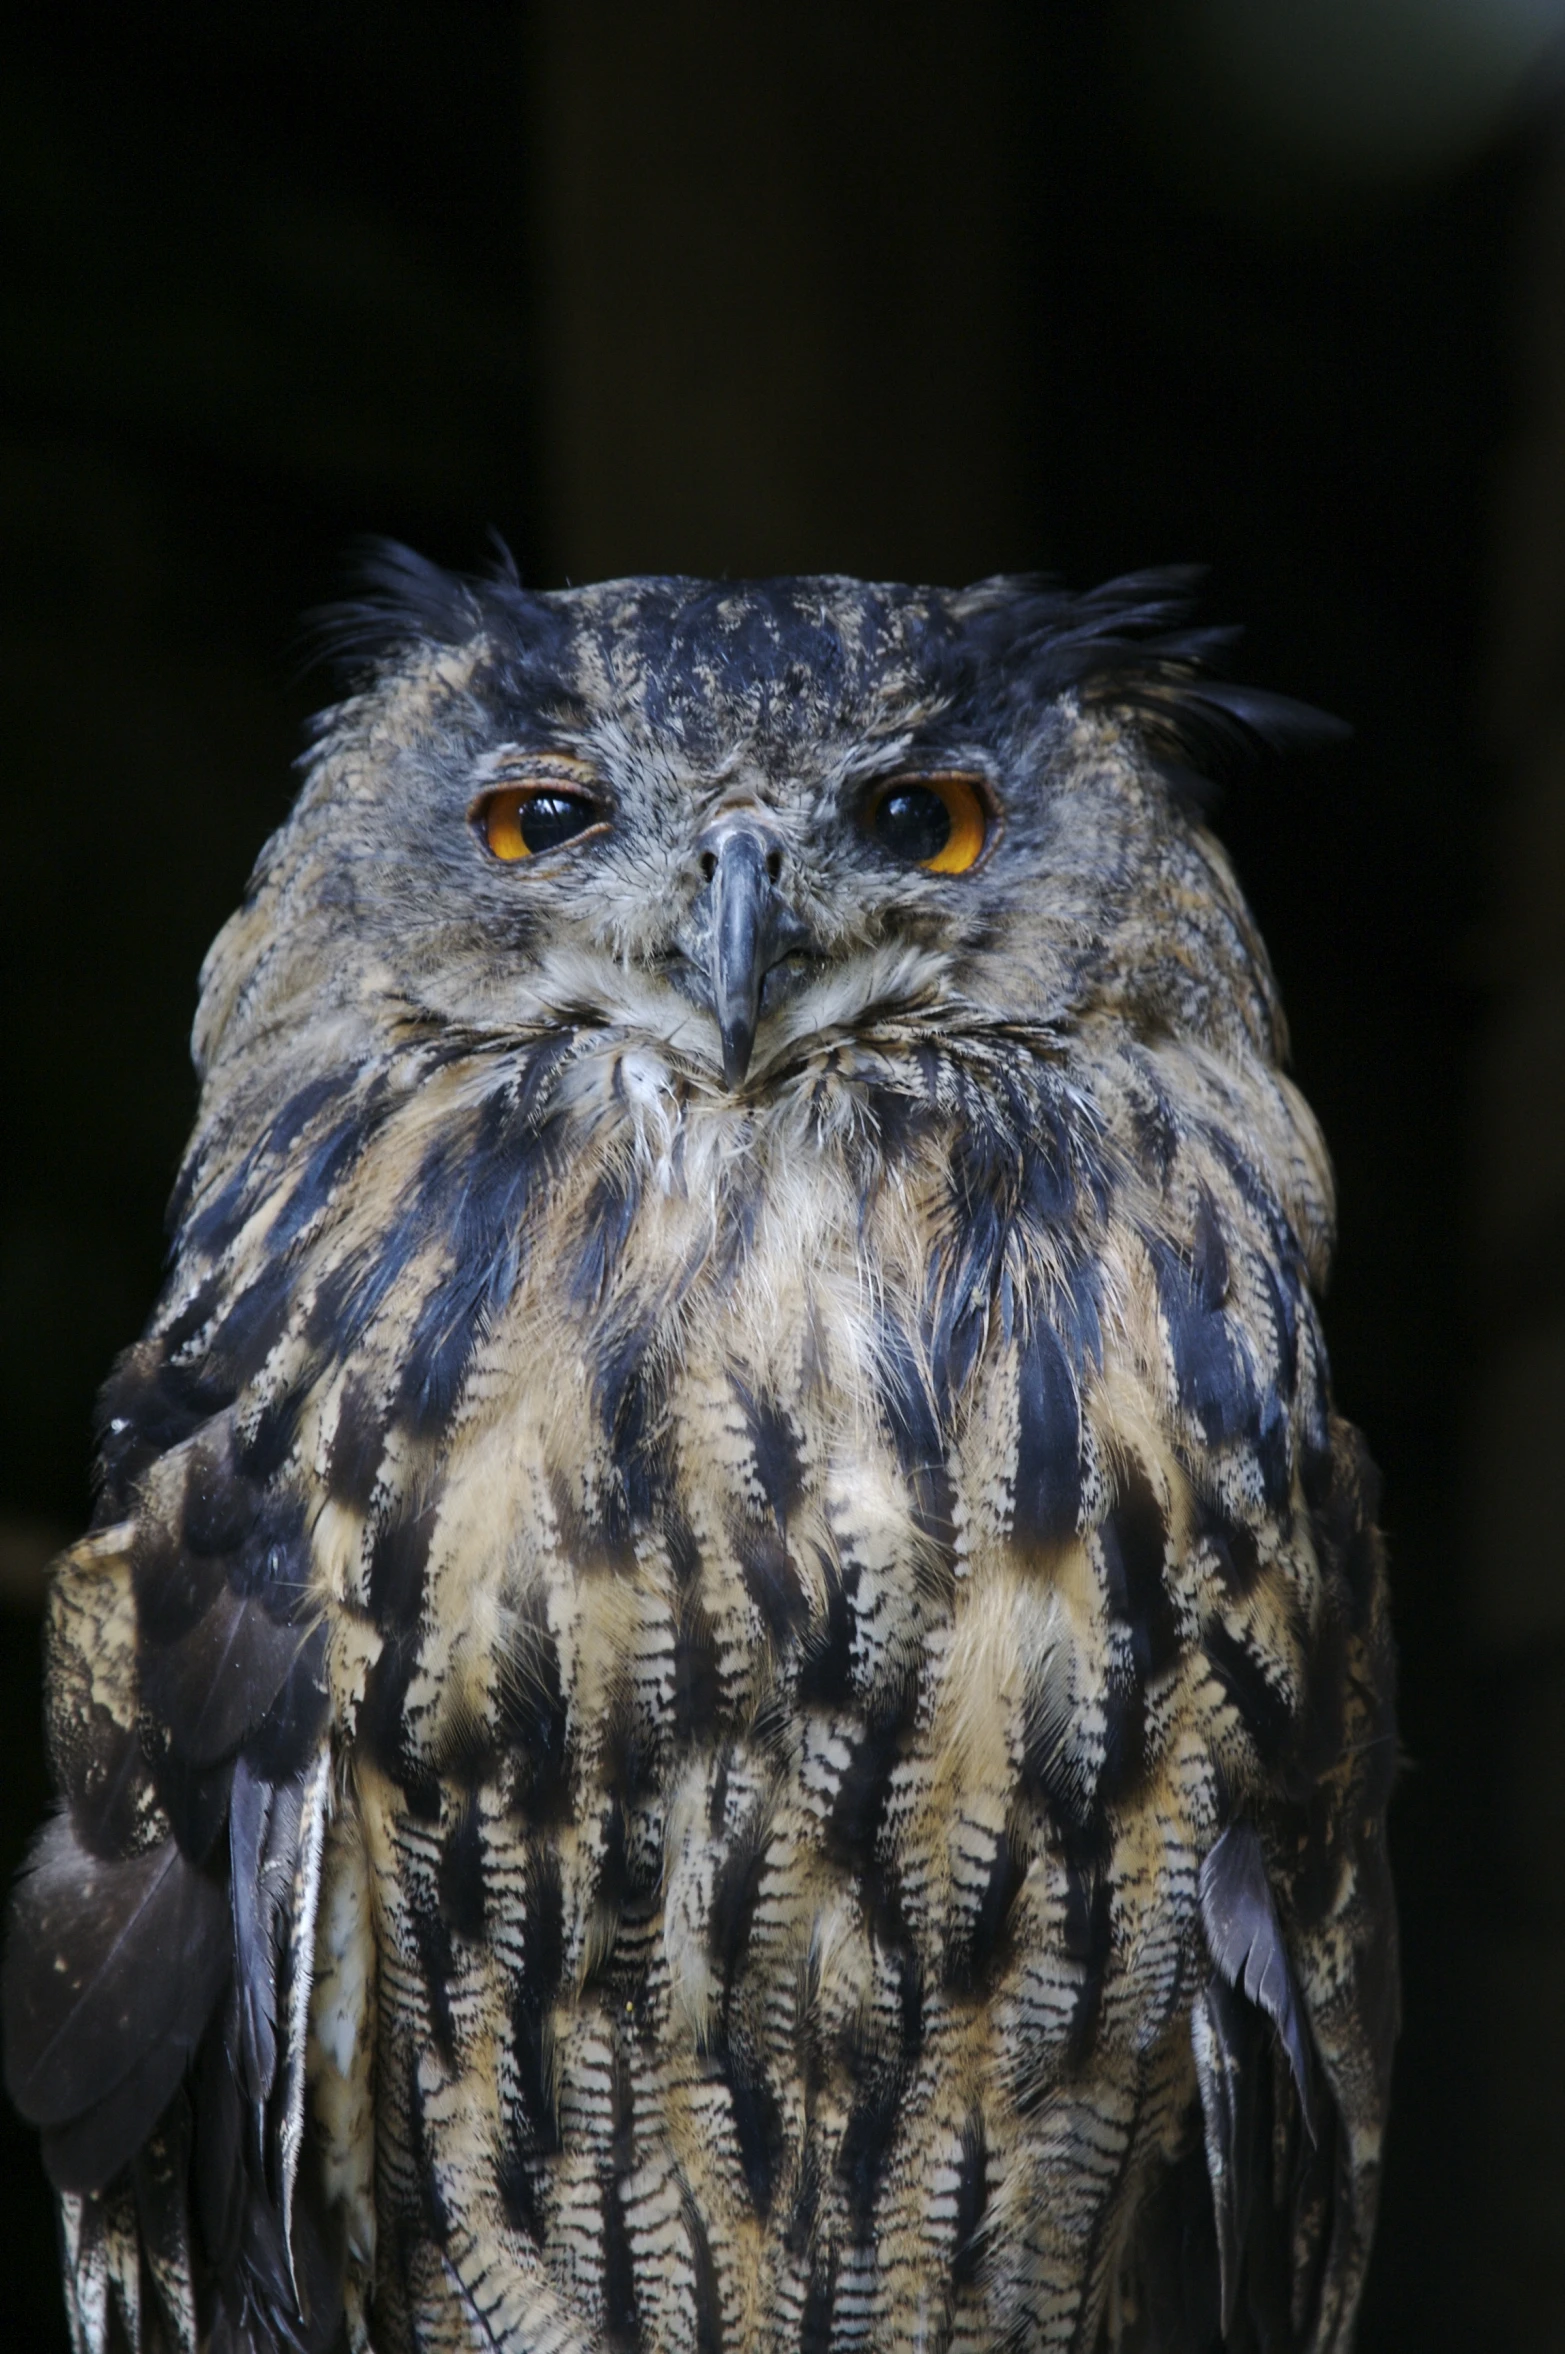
column 540, row 772
column 939, row 772
column 531, row 788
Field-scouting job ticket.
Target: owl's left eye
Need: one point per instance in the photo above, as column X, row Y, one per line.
column 940, row 822
column 519, row 821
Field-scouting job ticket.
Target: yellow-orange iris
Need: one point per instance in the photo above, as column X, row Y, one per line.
column 500, row 822
column 969, row 825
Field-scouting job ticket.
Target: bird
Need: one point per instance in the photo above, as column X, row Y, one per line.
column 732, row 1686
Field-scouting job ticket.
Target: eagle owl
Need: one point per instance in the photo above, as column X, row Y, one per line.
column 732, row 1687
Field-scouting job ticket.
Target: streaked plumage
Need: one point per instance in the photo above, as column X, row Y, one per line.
column 732, row 1688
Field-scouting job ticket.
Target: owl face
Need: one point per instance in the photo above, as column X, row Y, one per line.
column 745, row 823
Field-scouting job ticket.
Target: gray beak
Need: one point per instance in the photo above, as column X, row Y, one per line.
column 750, row 928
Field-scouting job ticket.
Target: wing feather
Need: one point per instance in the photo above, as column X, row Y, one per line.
column 162, row 1935
column 299, row 1947
column 1304, row 1959
column 218, row 1681
column 107, row 1965
column 160, row 2177
column 1244, row 1938
column 86, row 2272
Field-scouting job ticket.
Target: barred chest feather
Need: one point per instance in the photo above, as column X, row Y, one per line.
column 811, row 1626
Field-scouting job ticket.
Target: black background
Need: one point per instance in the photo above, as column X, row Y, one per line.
column 275, row 276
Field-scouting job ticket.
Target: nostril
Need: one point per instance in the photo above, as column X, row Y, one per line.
column 774, row 864
column 708, row 865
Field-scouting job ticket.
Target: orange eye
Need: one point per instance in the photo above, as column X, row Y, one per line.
column 937, row 822
column 519, row 821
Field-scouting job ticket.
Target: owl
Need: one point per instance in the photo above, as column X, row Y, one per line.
column 731, row 1691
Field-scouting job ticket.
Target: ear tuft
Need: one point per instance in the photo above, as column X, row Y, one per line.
column 404, row 601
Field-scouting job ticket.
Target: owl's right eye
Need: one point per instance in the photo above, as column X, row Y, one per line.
column 520, row 821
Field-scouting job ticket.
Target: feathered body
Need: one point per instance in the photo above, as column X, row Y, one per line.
column 717, row 1712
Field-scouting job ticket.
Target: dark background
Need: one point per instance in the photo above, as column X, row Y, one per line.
column 922, row 292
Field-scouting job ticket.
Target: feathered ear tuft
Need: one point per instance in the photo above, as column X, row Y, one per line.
column 1130, row 647
column 1201, row 730
column 1199, row 727
column 403, row 601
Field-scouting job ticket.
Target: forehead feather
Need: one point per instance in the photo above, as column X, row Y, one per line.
column 713, row 667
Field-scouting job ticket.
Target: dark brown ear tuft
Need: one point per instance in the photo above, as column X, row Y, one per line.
column 401, row 600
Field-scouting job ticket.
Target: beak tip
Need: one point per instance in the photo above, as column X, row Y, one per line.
column 737, row 1046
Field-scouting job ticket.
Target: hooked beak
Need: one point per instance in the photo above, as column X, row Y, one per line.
column 750, row 929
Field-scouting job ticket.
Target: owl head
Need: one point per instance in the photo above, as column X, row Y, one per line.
column 748, row 822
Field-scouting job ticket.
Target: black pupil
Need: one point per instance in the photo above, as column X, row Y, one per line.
column 547, row 819
column 912, row 823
